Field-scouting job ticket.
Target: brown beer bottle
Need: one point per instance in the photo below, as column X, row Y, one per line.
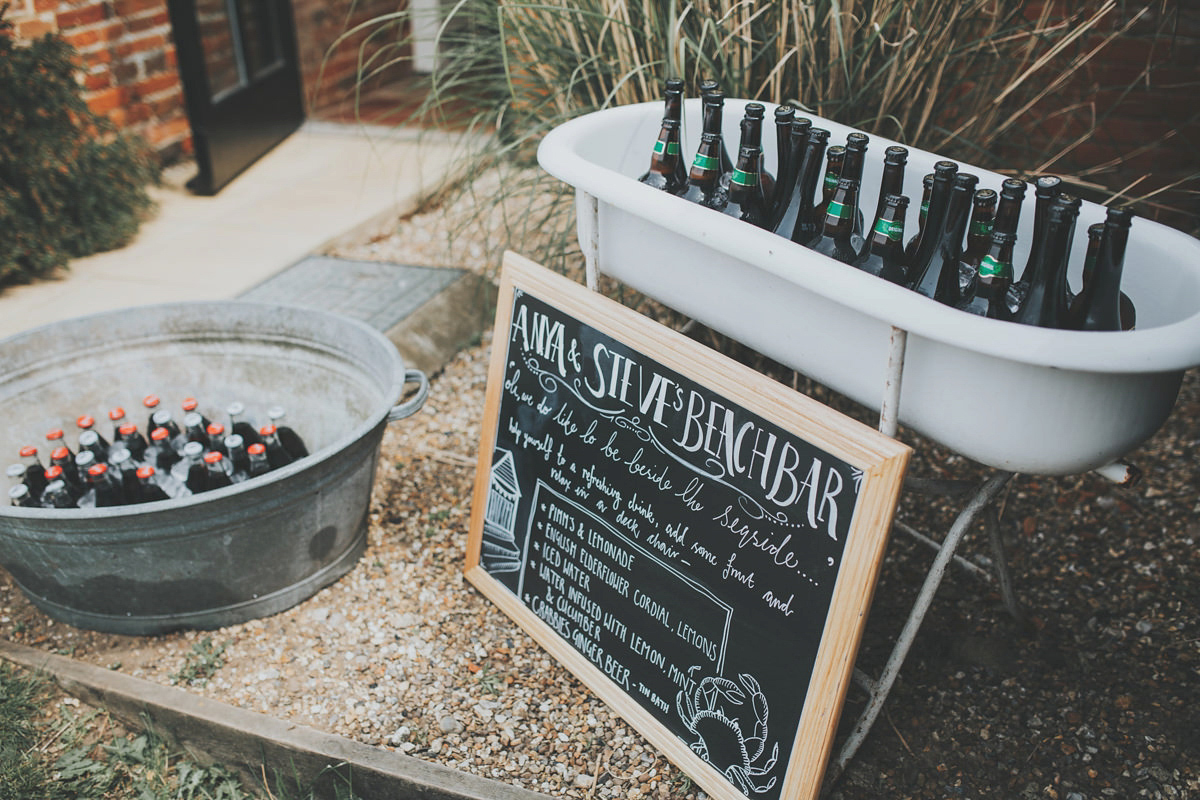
column 751, row 133
column 979, row 231
column 852, row 167
column 705, row 185
column 1098, row 306
column 883, row 253
column 1008, row 207
column 910, row 248
column 796, row 220
column 838, row 240
column 1044, row 303
column 987, row 293
column 712, row 89
column 746, row 200
column 931, row 230
column 762, row 184
column 941, row 278
column 667, row 169
column 895, row 158
column 835, row 157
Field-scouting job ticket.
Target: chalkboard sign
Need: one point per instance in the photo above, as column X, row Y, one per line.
column 696, row 542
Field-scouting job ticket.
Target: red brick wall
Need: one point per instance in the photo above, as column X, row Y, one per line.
column 330, row 54
column 126, row 59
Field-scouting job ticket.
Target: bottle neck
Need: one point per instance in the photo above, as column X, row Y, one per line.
column 887, row 234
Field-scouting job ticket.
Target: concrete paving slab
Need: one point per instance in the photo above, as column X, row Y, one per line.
column 322, row 184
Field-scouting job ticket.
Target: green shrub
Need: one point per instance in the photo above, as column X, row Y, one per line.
column 70, row 185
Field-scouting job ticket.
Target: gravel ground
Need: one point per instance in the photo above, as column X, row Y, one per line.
column 1093, row 696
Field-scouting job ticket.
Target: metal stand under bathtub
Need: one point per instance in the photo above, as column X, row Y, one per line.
column 979, row 500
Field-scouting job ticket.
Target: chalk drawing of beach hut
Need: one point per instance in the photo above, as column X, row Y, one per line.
column 499, row 551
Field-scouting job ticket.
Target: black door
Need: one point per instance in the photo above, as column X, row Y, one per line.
column 241, row 82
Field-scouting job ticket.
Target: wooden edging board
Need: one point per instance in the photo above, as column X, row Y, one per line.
column 696, row 542
column 258, row 746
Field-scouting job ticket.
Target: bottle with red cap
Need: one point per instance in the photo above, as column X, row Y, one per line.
column 56, row 438
column 160, row 452
column 129, row 436
column 86, row 423
column 149, row 489
column 256, row 455
column 216, row 475
column 35, row 471
column 277, row 454
column 163, row 419
column 62, row 458
column 116, row 415
column 191, row 406
column 69, row 479
column 216, row 438
column 151, row 402
column 105, row 488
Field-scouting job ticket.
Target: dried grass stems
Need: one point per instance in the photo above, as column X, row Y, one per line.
column 958, row 77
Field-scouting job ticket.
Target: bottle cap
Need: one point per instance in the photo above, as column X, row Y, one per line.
column 54, row 487
column 28, row 451
column 151, row 400
column 235, row 409
column 192, row 420
column 116, row 413
column 256, row 449
column 18, row 492
column 96, row 470
column 86, row 421
column 161, row 417
column 15, row 471
column 119, row 455
column 213, row 457
column 896, row 154
column 60, row 453
column 215, row 429
column 54, row 434
column 267, row 430
column 159, row 434
column 84, row 459
column 54, row 473
column 127, row 429
column 275, row 412
column 234, row 441
column 88, row 438
column 193, row 449
column 145, row 472
column 189, row 404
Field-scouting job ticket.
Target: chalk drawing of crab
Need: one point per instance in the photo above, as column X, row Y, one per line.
column 712, row 711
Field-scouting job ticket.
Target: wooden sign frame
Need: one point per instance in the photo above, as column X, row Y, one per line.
column 876, row 465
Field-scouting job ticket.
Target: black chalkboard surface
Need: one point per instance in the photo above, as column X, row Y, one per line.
column 694, row 541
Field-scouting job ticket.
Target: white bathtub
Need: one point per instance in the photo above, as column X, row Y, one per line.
column 1010, row 396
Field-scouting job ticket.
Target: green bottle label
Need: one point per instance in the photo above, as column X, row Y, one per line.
column 981, row 227
column 831, row 180
column 836, row 210
column 925, row 207
column 893, row 230
column 706, row 162
column 744, row 178
column 989, row 267
column 670, row 148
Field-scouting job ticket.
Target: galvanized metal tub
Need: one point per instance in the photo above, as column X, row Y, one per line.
column 221, row 557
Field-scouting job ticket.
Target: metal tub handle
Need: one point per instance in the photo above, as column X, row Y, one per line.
column 414, row 403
